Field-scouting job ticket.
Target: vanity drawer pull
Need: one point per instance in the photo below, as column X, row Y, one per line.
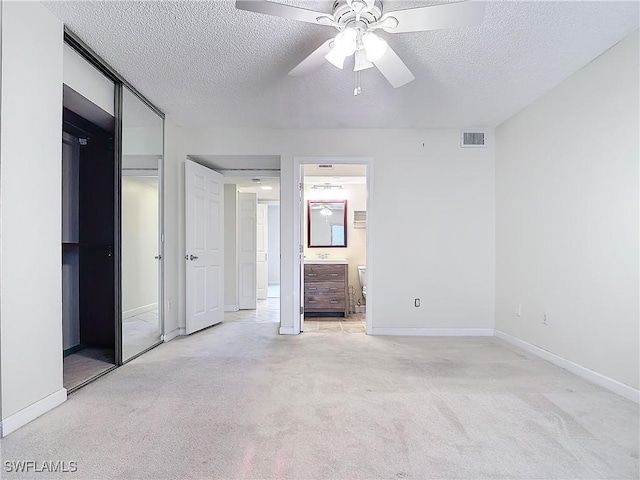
column 312, row 301
column 334, row 301
column 312, row 288
column 333, row 274
column 312, row 274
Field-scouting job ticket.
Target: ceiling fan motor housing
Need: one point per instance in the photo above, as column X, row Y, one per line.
column 344, row 15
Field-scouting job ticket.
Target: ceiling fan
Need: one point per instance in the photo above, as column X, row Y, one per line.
column 357, row 20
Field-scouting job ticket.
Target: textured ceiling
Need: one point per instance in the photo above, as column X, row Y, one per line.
column 208, row 64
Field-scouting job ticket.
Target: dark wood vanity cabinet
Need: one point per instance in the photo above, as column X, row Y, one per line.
column 325, row 290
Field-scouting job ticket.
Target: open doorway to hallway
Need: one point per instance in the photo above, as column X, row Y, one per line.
column 257, row 258
column 334, row 204
column 251, row 257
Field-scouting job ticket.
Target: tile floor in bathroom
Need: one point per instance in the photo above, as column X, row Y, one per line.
column 354, row 323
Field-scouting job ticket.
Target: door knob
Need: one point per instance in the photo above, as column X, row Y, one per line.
column 192, row 257
column 158, row 257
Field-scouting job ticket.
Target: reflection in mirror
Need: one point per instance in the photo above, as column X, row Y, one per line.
column 327, row 223
column 142, row 152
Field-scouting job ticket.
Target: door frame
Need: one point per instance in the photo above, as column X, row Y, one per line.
column 298, row 240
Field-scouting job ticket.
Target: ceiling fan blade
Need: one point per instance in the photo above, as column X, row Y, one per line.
column 313, row 61
column 394, row 69
column 282, row 10
column 435, row 17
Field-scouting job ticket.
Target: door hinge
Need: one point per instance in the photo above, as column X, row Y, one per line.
column 301, row 186
column 162, row 237
column 300, row 249
column 301, row 310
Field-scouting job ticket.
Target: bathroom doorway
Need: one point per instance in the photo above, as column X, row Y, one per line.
column 334, row 203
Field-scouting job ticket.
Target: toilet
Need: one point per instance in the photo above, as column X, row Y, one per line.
column 362, row 276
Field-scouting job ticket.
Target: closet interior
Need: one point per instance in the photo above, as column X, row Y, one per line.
column 88, row 240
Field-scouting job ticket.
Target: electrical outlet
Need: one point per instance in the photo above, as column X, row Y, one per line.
column 545, row 318
column 519, row 310
column 416, row 302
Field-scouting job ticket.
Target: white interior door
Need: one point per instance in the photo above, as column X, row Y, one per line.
column 247, row 250
column 263, row 251
column 204, row 247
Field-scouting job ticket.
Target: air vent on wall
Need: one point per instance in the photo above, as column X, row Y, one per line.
column 325, row 166
column 359, row 219
column 472, row 139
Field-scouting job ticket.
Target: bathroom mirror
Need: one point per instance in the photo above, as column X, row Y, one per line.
column 327, row 223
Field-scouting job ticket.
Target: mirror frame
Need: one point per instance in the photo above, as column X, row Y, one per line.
column 344, row 224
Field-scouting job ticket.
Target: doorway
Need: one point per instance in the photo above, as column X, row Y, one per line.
column 251, row 195
column 333, row 213
column 260, row 254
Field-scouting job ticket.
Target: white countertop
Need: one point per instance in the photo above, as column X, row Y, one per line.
column 338, row 261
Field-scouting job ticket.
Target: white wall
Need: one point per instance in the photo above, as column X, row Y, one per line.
column 273, row 228
column 434, row 210
column 356, row 250
column 30, row 213
column 139, row 243
column 567, row 218
column 230, row 247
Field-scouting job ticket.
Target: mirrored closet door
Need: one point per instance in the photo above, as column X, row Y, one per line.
column 142, row 160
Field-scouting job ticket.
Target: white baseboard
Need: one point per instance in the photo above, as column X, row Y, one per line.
column 167, row 337
column 609, row 383
column 288, row 331
column 434, row 332
column 139, row 310
column 24, row 416
column 231, row 308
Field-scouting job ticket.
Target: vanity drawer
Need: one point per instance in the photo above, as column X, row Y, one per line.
column 323, row 273
column 324, row 288
column 324, row 302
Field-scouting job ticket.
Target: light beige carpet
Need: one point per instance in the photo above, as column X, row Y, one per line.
column 239, row 401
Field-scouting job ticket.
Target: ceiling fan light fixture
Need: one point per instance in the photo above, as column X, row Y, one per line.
column 346, row 41
column 361, row 63
column 344, row 45
column 335, row 58
column 375, row 46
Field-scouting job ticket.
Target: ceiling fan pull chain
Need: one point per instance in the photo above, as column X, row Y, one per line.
column 357, row 90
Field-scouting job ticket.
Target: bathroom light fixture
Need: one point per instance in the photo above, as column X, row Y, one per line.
column 326, row 186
